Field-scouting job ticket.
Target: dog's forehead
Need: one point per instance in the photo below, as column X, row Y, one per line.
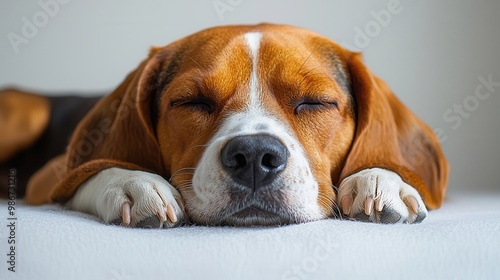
column 269, row 43
column 280, row 55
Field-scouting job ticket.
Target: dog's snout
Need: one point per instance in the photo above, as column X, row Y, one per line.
column 254, row 160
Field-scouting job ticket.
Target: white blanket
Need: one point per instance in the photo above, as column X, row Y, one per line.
column 459, row 241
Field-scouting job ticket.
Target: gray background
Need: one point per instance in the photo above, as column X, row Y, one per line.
column 432, row 53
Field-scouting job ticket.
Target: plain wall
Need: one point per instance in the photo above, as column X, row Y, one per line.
column 432, row 53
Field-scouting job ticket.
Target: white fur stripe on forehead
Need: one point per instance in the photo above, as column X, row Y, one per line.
column 253, row 42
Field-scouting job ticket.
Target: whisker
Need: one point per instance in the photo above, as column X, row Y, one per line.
column 306, row 74
column 183, row 173
column 200, row 146
column 307, row 58
column 179, row 170
column 195, row 62
column 184, row 182
column 185, row 168
column 334, row 205
column 184, row 186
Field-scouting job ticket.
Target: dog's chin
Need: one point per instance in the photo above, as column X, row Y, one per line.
column 255, row 216
column 247, row 209
column 246, row 216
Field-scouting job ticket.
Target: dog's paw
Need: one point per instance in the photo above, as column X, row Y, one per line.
column 379, row 195
column 130, row 198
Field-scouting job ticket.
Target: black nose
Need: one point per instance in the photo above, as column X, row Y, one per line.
column 254, row 160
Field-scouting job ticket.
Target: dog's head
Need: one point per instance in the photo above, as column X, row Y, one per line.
column 252, row 124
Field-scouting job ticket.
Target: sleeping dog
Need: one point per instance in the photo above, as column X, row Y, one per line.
column 248, row 125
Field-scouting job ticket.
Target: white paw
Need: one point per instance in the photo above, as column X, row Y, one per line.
column 131, row 198
column 379, row 195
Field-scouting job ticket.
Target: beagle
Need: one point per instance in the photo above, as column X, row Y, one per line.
column 248, row 125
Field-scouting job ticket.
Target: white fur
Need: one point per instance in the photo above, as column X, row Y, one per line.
column 104, row 194
column 380, row 184
column 253, row 43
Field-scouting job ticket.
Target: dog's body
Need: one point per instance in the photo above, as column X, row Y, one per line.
column 50, row 132
column 248, row 125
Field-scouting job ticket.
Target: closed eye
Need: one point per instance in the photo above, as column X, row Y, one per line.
column 313, row 105
column 199, row 103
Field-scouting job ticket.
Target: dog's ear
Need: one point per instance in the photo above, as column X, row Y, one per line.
column 118, row 127
column 388, row 135
column 117, row 132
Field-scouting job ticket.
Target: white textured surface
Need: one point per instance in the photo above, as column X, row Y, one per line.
column 459, row 241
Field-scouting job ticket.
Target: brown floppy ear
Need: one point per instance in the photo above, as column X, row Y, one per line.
column 120, row 127
column 117, row 132
column 388, row 135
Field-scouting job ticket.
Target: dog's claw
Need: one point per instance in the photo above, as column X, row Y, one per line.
column 346, row 203
column 171, row 213
column 126, row 214
column 368, row 205
column 413, row 204
column 162, row 215
column 379, row 204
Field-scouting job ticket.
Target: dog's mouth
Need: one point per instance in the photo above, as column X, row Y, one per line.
column 255, row 215
column 254, row 212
